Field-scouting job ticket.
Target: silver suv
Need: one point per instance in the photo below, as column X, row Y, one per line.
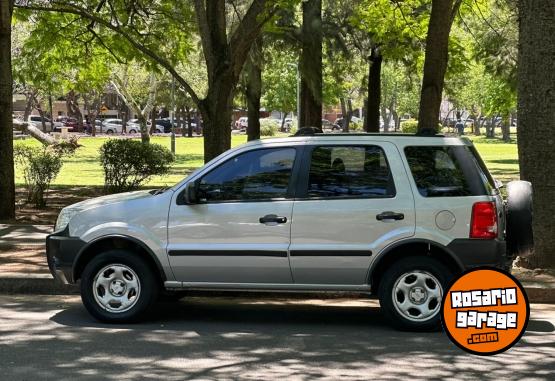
column 395, row 216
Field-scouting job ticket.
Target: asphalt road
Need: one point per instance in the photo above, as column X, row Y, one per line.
column 249, row 339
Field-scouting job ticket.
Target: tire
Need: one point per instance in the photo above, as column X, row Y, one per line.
column 519, row 236
column 109, row 132
column 131, row 293
column 411, row 279
column 132, row 131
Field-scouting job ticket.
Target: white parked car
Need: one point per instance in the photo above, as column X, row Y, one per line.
column 112, row 126
column 394, row 215
column 133, row 127
column 241, row 123
column 36, row 121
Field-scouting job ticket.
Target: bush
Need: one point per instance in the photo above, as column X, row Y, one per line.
column 409, row 126
column 40, row 167
column 128, row 163
column 268, row 127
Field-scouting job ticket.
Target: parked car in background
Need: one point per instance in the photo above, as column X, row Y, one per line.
column 112, row 126
column 134, row 127
column 241, row 123
column 36, row 121
column 163, row 125
column 69, row 122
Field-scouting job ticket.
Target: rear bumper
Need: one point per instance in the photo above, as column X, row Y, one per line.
column 61, row 251
column 481, row 252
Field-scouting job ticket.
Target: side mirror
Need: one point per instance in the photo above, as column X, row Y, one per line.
column 498, row 183
column 189, row 194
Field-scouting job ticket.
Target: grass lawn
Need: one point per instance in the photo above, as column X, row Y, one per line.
column 84, row 167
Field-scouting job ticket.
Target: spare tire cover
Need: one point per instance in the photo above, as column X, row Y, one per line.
column 519, row 236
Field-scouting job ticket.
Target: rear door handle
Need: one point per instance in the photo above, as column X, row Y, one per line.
column 272, row 218
column 384, row 216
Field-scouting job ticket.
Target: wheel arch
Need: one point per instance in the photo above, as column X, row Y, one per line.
column 117, row 241
column 411, row 248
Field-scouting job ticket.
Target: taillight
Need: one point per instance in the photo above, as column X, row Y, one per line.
column 483, row 224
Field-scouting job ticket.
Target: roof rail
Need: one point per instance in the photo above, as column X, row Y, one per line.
column 314, row 131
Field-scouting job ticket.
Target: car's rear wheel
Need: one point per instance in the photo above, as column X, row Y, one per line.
column 411, row 291
column 132, row 131
column 109, row 132
column 118, row 287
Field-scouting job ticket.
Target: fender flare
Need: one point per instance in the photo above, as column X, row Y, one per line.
column 124, row 237
column 387, row 250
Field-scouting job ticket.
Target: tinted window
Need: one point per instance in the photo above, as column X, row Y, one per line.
column 445, row 171
column 349, row 171
column 254, row 175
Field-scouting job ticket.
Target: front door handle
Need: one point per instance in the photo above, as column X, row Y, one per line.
column 272, row 218
column 384, row 216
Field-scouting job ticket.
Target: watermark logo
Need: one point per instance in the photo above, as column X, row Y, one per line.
column 485, row 311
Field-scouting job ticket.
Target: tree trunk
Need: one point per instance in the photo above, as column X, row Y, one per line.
column 216, row 118
column 37, row 134
column 386, row 117
column 143, row 126
column 310, row 65
column 253, row 92
column 153, row 120
column 396, row 119
column 506, row 129
column 50, row 109
column 536, row 115
column 42, row 116
column 435, row 62
column 29, row 101
column 73, row 109
column 346, row 121
column 7, row 181
column 372, row 121
column 189, row 122
column 478, row 124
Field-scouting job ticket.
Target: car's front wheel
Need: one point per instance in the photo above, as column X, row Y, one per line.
column 411, row 292
column 117, row 286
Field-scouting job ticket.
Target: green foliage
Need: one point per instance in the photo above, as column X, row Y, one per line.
column 409, row 126
column 39, row 166
column 129, row 163
column 268, row 127
column 279, row 80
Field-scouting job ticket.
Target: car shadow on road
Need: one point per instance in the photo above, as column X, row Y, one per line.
column 251, row 314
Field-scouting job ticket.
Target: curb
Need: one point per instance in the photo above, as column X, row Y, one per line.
column 46, row 285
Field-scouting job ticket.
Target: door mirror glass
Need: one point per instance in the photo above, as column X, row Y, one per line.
column 189, row 195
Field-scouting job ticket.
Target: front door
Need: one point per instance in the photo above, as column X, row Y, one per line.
column 356, row 199
column 239, row 231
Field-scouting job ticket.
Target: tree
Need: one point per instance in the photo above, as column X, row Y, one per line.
column 536, row 116
column 310, row 65
column 279, row 77
column 161, row 33
column 130, row 83
column 7, row 180
column 435, row 62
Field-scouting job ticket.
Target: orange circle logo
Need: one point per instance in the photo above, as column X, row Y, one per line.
column 485, row 311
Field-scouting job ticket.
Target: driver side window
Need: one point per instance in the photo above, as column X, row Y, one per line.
column 255, row 175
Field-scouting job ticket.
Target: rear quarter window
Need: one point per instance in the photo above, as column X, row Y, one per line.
column 445, row 171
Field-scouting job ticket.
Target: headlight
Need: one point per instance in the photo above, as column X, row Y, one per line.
column 64, row 217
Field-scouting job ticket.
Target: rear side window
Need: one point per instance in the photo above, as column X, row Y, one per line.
column 445, row 171
column 349, row 171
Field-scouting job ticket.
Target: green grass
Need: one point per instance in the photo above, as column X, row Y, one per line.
column 84, row 167
column 501, row 158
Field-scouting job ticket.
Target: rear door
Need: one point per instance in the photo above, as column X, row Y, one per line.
column 355, row 200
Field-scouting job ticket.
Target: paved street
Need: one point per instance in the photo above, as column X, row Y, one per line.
column 54, row 338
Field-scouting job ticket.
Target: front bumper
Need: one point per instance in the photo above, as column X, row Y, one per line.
column 61, row 252
column 481, row 252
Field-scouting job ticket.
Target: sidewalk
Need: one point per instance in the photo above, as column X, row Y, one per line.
column 23, row 268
